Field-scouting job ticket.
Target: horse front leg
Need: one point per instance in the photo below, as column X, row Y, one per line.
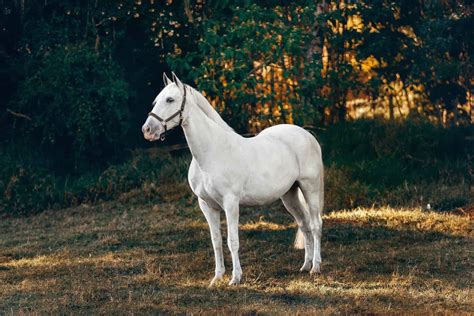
column 231, row 208
column 213, row 217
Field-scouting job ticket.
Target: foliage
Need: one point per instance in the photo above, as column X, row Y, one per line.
column 82, row 125
column 389, row 153
column 77, row 80
column 264, row 66
column 408, row 38
column 366, row 163
column 116, row 50
column 308, row 61
column 28, row 188
column 397, row 163
column 244, row 64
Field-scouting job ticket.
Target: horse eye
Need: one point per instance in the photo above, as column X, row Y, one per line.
column 169, row 100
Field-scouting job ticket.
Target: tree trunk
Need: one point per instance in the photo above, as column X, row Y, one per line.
column 342, row 111
column 390, row 106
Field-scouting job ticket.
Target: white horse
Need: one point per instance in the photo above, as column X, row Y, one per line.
column 228, row 171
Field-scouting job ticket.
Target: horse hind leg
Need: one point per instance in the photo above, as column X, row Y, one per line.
column 313, row 191
column 295, row 205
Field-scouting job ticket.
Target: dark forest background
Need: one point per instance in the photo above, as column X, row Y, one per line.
column 386, row 86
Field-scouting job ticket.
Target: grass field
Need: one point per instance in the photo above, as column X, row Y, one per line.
column 132, row 255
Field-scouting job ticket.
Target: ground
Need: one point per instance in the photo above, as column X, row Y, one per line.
column 133, row 255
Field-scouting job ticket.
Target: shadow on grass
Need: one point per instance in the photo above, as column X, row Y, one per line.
column 268, row 299
column 137, row 263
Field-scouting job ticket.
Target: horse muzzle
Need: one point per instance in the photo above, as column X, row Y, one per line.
column 151, row 133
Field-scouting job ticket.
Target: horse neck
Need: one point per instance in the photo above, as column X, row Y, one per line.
column 208, row 110
column 205, row 137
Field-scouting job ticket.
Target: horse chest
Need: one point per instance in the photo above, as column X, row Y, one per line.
column 204, row 185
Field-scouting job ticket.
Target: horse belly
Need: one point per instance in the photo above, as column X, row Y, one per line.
column 270, row 177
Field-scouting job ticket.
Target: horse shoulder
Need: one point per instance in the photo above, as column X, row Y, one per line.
column 204, row 185
column 194, row 176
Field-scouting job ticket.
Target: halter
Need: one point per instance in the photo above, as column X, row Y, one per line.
column 164, row 121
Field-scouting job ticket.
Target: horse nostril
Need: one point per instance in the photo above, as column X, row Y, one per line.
column 146, row 129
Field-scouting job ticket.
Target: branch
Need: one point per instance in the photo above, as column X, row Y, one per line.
column 188, row 12
column 19, row 115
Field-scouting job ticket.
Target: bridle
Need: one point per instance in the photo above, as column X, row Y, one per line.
column 164, row 121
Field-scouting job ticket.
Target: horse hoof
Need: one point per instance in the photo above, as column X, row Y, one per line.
column 213, row 282
column 315, row 270
column 216, row 279
column 234, row 281
column 306, row 267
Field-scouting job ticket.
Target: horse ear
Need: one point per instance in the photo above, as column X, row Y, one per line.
column 177, row 81
column 166, row 80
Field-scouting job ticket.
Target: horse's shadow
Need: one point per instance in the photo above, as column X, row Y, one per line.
column 368, row 250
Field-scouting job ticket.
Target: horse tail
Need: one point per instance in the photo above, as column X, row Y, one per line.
column 321, row 190
column 299, row 239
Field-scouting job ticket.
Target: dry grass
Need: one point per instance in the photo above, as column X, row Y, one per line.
column 123, row 257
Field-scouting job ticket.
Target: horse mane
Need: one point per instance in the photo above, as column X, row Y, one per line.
column 210, row 112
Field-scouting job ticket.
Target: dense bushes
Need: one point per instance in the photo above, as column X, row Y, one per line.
column 389, row 153
column 397, row 163
column 366, row 163
column 27, row 189
column 77, row 103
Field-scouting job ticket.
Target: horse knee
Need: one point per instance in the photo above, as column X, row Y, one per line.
column 233, row 244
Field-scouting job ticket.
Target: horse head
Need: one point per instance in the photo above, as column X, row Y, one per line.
column 168, row 109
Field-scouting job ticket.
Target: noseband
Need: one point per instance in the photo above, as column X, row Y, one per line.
column 164, row 121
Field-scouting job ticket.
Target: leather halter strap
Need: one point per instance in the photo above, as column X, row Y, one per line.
column 164, row 121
